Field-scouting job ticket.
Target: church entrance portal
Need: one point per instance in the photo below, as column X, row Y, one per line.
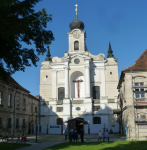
column 77, row 123
column 77, row 85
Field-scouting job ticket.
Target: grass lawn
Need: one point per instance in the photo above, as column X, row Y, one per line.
column 12, row 146
column 116, row 145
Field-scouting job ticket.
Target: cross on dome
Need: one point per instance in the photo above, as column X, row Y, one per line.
column 76, row 10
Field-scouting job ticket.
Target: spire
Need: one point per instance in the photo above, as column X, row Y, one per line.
column 110, row 52
column 48, row 55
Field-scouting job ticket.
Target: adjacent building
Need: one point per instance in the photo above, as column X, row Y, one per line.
column 132, row 99
column 17, row 109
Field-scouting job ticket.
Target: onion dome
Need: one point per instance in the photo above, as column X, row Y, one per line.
column 76, row 24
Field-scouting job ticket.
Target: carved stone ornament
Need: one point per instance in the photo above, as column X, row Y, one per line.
column 76, row 34
column 78, row 108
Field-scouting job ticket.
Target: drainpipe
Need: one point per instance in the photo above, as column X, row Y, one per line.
column 14, row 113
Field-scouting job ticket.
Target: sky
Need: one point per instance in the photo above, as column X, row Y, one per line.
column 122, row 22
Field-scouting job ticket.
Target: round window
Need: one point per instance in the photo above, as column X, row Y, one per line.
column 76, row 61
column 78, row 108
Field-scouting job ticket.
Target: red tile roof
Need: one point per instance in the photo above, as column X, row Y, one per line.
column 140, row 63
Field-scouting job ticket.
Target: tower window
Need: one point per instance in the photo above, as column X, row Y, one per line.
column 110, row 72
column 46, row 76
column 76, row 45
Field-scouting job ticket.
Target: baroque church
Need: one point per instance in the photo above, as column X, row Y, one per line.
column 80, row 89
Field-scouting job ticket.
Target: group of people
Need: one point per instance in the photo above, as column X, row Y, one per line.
column 73, row 134
column 22, row 140
column 100, row 136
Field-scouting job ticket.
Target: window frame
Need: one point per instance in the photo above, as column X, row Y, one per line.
column 59, row 92
column 139, row 92
column 76, row 45
column 96, row 121
column 9, row 123
column 17, row 123
column 1, row 123
column 94, row 89
column 10, row 100
column 1, row 98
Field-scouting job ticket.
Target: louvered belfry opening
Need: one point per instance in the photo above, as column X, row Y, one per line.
column 96, row 92
column 61, row 93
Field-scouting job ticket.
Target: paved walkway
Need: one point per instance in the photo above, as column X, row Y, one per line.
column 45, row 141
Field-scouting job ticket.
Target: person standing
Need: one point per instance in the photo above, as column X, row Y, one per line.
column 106, row 135
column 82, row 135
column 75, row 135
column 99, row 136
column 66, row 133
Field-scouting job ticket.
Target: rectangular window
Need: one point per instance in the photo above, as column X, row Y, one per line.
column 139, row 92
column 17, row 101
column 0, row 123
column 142, row 116
column 96, row 108
column 35, row 109
column 1, row 98
column 9, row 123
column 24, row 104
column 24, row 125
column 10, row 100
column 59, row 109
column 17, row 123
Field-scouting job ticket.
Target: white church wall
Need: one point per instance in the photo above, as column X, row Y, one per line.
column 95, row 75
column 95, row 128
column 54, row 83
column 54, row 129
column 60, row 77
column 103, row 89
column 66, row 107
column 45, row 84
column 85, row 128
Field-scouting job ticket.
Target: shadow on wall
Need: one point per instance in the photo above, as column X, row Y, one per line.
column 55, row 123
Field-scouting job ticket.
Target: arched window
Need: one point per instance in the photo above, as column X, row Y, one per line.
column 96, row 92
column 61, row 93
column 76, row 45
column 59, row 121
column 96, row 120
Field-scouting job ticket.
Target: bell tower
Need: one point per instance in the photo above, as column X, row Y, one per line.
column 77, row 36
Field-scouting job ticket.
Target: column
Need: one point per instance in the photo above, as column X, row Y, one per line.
column 87, row 81
column 66, row 82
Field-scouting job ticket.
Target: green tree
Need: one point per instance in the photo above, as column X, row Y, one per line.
column 19, row 23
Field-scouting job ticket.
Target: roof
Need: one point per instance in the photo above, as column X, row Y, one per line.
column 33, row 97
column 15, row 84
column 140, row 63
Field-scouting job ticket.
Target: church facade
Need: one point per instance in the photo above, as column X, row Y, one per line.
column 80, row 89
